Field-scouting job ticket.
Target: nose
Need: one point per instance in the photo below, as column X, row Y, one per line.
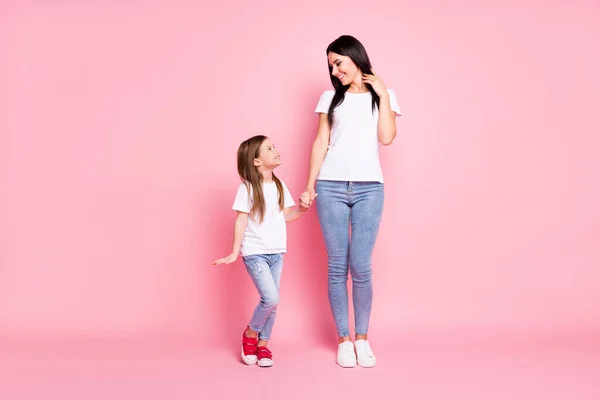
column 334, row 70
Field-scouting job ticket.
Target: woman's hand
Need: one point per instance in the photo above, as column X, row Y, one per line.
column 311, row 194
column 376, row 83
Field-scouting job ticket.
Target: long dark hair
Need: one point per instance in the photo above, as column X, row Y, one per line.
column 249, row 150
column 349, row 46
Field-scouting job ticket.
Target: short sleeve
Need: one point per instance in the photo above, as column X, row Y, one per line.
column 394, row 103
column 288, row 200
column 325, row 102
column 242, row 200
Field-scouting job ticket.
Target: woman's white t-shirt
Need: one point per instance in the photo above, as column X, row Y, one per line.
column 270, row 236
column 353, row 152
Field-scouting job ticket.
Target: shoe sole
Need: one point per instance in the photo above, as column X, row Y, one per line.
column 263, row 364
column 365, row 366
column 346, row 366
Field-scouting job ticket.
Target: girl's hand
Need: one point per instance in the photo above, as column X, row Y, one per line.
column 226, row 260
column 376, row 83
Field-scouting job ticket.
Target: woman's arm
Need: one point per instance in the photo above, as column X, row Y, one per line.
column 241, row 221
column 386, row 126
column 317, row 155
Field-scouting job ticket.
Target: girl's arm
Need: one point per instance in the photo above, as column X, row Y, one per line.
column 293, row 213
column 241, row 221
column 317, row 155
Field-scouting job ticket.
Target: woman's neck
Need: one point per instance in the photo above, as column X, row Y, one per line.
column 358, row 86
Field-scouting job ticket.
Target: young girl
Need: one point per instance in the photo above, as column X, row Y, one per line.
column 264, row 206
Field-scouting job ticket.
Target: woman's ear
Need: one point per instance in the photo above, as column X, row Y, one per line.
column 257, row 162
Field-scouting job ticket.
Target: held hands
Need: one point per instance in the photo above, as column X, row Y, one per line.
column 226, row 260
column 376, row 83
column 307, row 198
column 304, row 202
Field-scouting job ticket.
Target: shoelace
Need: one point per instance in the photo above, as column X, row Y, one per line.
column 347, row 351
column 364, row 349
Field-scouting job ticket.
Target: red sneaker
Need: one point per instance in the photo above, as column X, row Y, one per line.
column 265, row 358
column 249, row 349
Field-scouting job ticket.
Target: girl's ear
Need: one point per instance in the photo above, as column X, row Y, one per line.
column 256, row 162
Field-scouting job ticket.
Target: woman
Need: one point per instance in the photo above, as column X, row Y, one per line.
column 354, row 119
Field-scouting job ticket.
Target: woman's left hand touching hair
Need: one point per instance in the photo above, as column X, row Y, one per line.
column 376, row 83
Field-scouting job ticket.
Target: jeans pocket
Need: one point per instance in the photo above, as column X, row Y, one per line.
column 254, row 265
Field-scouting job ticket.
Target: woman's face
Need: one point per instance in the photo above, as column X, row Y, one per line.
column 343, row 68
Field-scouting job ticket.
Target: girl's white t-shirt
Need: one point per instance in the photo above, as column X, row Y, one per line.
column 270, row 236
column 353, row 152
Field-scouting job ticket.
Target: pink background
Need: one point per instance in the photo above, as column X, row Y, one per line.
column 119, row 126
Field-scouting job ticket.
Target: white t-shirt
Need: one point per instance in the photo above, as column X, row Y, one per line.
column 353, row 152
column 270, row 236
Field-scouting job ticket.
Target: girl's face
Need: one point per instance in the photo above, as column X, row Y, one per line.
column 268, row 156
column 343, row 68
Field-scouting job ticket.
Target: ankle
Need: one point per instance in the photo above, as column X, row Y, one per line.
column 263, row 343
column 344, row 339
column 361, row 337
column 251, row 334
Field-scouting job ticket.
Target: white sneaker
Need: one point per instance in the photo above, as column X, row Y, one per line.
column 366, row 358
column 346, row 357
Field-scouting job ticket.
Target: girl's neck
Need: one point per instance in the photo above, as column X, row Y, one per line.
column 267, row 176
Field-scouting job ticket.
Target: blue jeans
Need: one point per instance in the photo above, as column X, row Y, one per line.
column 265, row 271
column 349, row 214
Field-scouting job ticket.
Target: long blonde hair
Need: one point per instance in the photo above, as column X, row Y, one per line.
column 249, row 150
